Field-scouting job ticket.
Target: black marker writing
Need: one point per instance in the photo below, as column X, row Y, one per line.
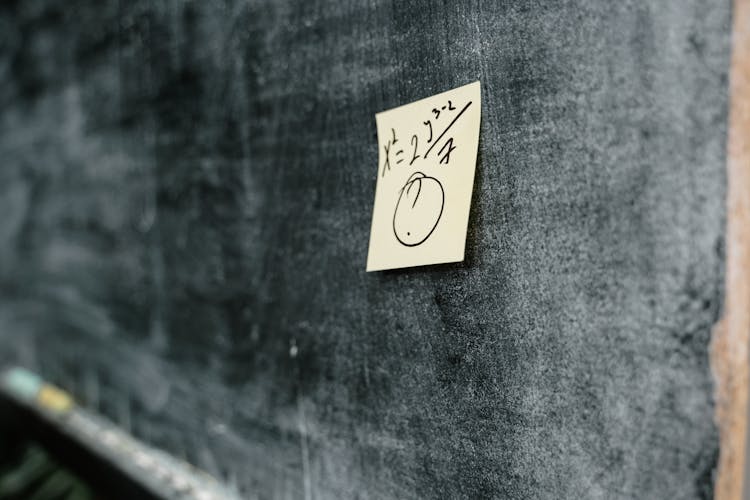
column 447, row 128
column 444, row 151
column 414, row 142
column 418, row 209
column 446, row 157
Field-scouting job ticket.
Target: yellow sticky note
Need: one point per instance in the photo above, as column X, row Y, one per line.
column 428, row 154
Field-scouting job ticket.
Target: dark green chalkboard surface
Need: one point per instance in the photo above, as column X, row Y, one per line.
column 185, row 203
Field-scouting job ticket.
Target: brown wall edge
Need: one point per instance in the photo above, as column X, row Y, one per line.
column 731, row 336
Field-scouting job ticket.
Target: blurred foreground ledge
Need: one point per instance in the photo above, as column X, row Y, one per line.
column 114, row 464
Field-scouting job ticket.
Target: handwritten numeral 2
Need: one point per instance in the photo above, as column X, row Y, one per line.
column 414, row 142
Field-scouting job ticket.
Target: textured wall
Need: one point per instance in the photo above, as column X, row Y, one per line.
column 186, row 191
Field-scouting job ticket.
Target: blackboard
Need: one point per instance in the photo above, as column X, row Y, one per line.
column 186, row 192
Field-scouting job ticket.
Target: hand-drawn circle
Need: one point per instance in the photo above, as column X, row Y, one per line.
column 418, row 209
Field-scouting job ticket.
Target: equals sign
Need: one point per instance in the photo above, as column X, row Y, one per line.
column 398, row 153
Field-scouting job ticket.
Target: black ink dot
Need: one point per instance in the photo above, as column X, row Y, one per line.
column 408, row 233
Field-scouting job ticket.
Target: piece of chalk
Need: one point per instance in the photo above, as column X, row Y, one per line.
column 54, row 399
column 22, row 383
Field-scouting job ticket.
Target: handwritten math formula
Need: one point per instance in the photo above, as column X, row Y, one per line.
column 394, row 146
column 427, row 158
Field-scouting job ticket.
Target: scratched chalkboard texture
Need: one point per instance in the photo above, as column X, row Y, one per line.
column 185, row 200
